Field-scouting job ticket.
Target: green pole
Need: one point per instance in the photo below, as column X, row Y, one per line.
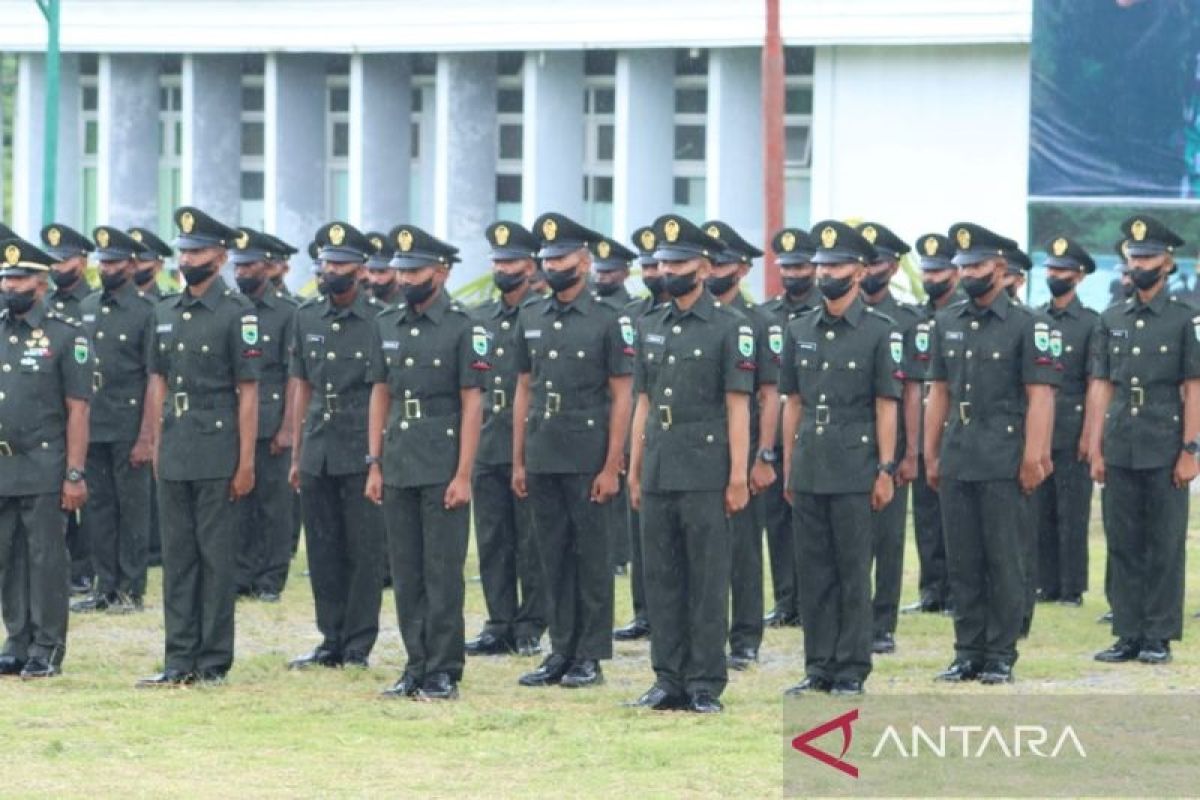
column 50, row 9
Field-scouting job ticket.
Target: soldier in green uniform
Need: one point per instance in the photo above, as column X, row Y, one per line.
column 987, row 426
column 842, row 373
column 382, row 279
column 939, row 279
column 120, row 321
column 424, row 431
column 689, row 470
column 793, row 253
column 150, row 260
column 204, row 378
column 730, row 266
column 1146, row 366
column 1065, row 499
column 1019, row 263
column 570, row 419
column 45, row 384
column 639, row 627
column 508, row 561
column 70, row 249
column 265, row 542
column 278, row 266
column 333, row 355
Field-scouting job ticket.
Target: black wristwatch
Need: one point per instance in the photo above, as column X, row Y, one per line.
column 74, row 475
column 767, row 456
column 370, row 459
column 888, row 467
column 1192, row 447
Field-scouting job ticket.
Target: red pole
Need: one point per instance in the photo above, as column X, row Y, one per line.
column 772, row 85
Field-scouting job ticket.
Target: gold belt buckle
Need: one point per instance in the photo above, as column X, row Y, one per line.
column 412, row 408
column 964, row 412
column 664, row 417
column 181, row 403
column 5, row 449
column 822, row 415
column 499, row 399
column 331, row 403
column 553, row 402
column 1137, row 395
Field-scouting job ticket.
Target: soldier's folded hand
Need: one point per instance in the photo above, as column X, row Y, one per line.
column 141, row 454
column 634, row 487
column 933, row 471
column 1186, row 469
column 737, row 496
column 762, row 475
column 1099, row 472
column 605, row 486
column 294, row 478
column 1033, row 472
column 374, row 488
column 518, row 482
column 282, row 440
column 458, row 492
column 906, row 472
column 74, row 495
column 242, row 483
column 883, row 491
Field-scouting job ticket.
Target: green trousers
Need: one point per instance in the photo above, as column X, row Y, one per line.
column 746, row 578
column 887, row 553
column 117, row 518
column 265, row 541
column 1064, row 504
column 34, row 575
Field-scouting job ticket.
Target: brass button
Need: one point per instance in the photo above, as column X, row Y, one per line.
column 670, row 359
column 220, row 424
column 974, row 324
column 852, row 365
column 330, row 356
column 335, row 327
column 549, row 384
column 995, row 355
column 580, row 354
column 99, row 334
column 676, row 329
column 667, row 392
column 1163, row 348
column 499, row 351
column 968, row 354
column 437, row 362
column 1069, row 348
column 179, row 347
column 407, row 393
column 414, row 331
column 203, row 348
column 821, row 399
column 1010, row 428
column 505, row 325
column 1137, row 351
column 804, row 362
column 1079, row 408
column 1141, row 323
column 187, row 315
column 591, row 423
column 557, row 325
column 122, row 337
column 449, row 431
column 1135, row 380
column 274, row 396
column 499, row 380
column 697, row 352
column 824, row 365
column 553, row 354
column 408, row 362
column 178, row 380
column 866, row 439
column 105, row 310
column 59, row 305
column 1133, row 411
column 967, row 388
column 820, row 430
column 12, row 340
column 133, row 401
column 328, row 386
column 829, row 334
column 404, row 425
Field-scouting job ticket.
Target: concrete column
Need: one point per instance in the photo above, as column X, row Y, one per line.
column 464, row 186
column 552, row 163
column 210, row 169
column 380, row 113
column 422, row 210
column 295, row 146
column 128, row 160
column 644, row 147
column 29, row 130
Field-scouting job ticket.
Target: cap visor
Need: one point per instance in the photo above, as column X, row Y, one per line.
column 559, row 250
column 341, row 255
column 836, row 257
column 933, row 264
column 676, row 254
column 1145, row 248
column 796, row 259
column 113, row 255
column 509, row 254
column 967, row 258
column 648, row 261
column 609, row 266
column 379, row 263
column 247, row 256
column 1064, row 262
column 413, row 262
column 193, row 242
column 63, row 253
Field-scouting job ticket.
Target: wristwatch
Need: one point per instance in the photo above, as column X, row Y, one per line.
column 767, row 456
column 74, row 475
column 1192, row 447
column 888, row 467
column 370, row 459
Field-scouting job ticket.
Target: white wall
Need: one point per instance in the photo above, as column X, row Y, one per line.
column 921, row 137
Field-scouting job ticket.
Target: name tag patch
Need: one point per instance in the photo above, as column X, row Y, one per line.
column 314, row 337
column 391, row 344
column 954, row 336
column 655, row 338
column 810, row 346
column 164, row 328
column 533, row 334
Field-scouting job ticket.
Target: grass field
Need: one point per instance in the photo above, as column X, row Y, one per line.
column 274, row 733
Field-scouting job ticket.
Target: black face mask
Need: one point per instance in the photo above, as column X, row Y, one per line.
column 277, row 281
column 719, row 285
column 1012, row 290
column 977, row 287
column 1060, row 286
column 382, row 291
column 508, row 282
column 1145, row 278
column 198, row 273
column 143, row 276
column 937, row 289
column 655, row 285
column 833, row 288
column 111, row 281
column 18, row 302
column 331, row 283
column 607, row 289
column 679, row 285
column 1127, row 289
column 417, row 293
column 249, row 286
column 873, row 284
column 561, row 280
column 797, row 285
column 64, row 280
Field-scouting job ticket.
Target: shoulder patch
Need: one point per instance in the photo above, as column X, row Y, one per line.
column 775, row 338
column 896, row 345
column 745, row 341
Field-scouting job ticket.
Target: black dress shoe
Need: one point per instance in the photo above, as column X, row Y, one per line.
column 847, row 687
column 923, row 606
column 11, row 665
column 781, row 619
column 528, row 646
column 1122, row 650
column 212, row 676
column 81, row 586
column 1071, row 600
column 267, row 596
column 657, row 699
column 167, row 678
column 1154, row 651
column 438, row 686
column 1107, row 616
column 958, row 672
column 583, row 673
column 638, row 629
column 812, row 683
column 407, row 686
column 703, row 702
column 619, row 570
column 38, row 668
column 95, row 602
column 320, row 657
column 996, row 672
column 353, row 658
column 550, row 672
column 1047, row 597
column 741, row 659
column 883, row 644
column 489, row 644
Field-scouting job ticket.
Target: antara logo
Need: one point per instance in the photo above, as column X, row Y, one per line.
column 842, row 723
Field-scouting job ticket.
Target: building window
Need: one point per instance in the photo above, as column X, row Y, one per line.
column 510, row 104
column 599, row 135
column 8, row 94
column 797, row 133
column 691, row 113
column 253, row 165
column 170, row 142
column 89, row 137
column 337, row 145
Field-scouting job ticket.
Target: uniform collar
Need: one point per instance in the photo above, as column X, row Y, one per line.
column 582, row 303
column 210, row 299
column 1072, row 309
column 854, row 314
column 435, row 311
column 33, row 318
column 998, row 306
column 121, row 296
column 80, row 290
column 358, row 307
column 702, row 308
column 887, row 304
column 503, row 309
column 810, row 299
column 1156, row 304
column 269, row 298
column 739, row 302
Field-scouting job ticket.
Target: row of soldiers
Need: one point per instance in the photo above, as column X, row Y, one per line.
column 390, row 409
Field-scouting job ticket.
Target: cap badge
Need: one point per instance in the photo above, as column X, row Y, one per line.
column 405, row 239
column 713, row 231
column 964, row 239
column 53, row 237
column 136, row 234
column 242, row 240
column 1138, row 229
column 377, row 243
column 102, row 238
column 828, row 237
column 186, row 222
column 337, row 235
column 788, row 241
column 1059, row 247
column 603, row 249
column 12, row 254
column 870, row 234
column 931, row 245
column 501, row 234
column 549, row 230
column 671, row 229
column 647, row 238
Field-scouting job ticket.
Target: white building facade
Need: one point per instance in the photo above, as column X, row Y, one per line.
column 282, row 114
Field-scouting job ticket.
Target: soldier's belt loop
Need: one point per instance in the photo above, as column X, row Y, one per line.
column 822, row 415
column 964, row 412
column 412, row 408
column 97, row 381
column 553, row 402
column 1137, row 395
column 664, row 417
column 331, row 403
column 181, row 403
column 499, row 399
column 5, row 450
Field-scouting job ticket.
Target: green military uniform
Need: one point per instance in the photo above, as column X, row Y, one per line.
column 430, row 357
column 120, row 322
column 1065, row 499
column 509, row 569
column 570, row 351
column 839, row 367
column 45, row 359
column 335, row 351
column 986, row 356
column 792, row 247
column 688, row 361
column 265, row 542
column 1146, row 349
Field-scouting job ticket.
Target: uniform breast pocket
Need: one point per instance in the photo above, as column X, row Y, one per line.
column 1162, row 363
column 1118, row 358
column 997, row 370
